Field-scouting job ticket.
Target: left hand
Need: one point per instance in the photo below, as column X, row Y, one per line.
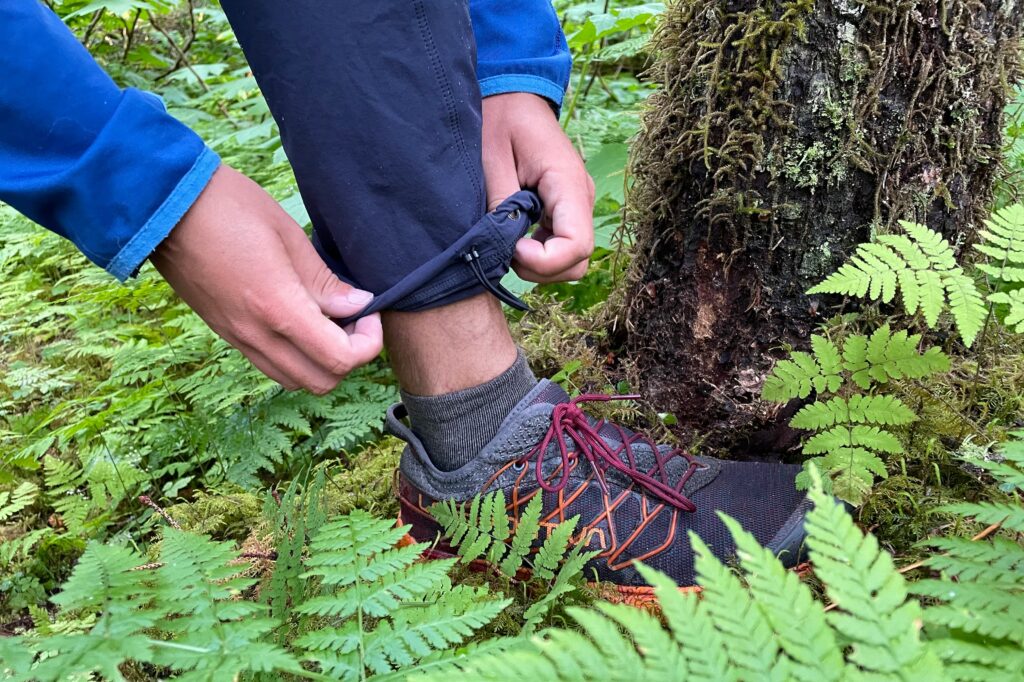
column 524, row 146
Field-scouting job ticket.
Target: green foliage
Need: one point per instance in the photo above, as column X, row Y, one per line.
column 920, row 265
column 373, row 608
column 978, row 623
column 483, row 530
column 849, row 429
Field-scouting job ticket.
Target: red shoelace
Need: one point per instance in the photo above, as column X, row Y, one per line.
column 569, row 420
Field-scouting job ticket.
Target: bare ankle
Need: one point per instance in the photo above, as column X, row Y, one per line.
column 450, row 348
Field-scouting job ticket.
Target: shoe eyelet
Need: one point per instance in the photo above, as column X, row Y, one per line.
column 572, row 460
column 518, row 466
column 701, row 466
column 513, row 214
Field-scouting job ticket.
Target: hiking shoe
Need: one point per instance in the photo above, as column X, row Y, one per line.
column 636, row 500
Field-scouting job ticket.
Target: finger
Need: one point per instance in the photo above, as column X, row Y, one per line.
column 265, row 365
column 569, row 207
column 572, row 274
column 330, row 348
column 500, row 173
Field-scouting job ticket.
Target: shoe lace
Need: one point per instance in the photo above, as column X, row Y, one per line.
column 569, row 421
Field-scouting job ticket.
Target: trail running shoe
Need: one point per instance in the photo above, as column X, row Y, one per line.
column 636, row 500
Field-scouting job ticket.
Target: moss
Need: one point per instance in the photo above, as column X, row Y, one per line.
column 366, row 480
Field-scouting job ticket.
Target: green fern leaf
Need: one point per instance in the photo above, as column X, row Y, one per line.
column 858, row 409
column 526, row 531
column 1004, row 244
column 921, row 265
column 796, row 618
column 887, row 355
column 874, row 615
column 550, row 554
column 850, row 472
column 1010, row 515
column 802, row 372
column 14, row 501
column 753, row 648
column 704, row 648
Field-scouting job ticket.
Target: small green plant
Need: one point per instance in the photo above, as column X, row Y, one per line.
column 372, row 608
column 978, row 622
column 849, row 430
column 767, row 625
column 482, row 529
column 851, row 417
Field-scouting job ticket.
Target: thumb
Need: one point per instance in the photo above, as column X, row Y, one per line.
column 335, row 298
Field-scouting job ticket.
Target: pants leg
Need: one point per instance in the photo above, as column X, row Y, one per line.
column 379, row 111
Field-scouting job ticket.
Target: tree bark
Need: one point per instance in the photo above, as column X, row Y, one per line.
column 785, row 133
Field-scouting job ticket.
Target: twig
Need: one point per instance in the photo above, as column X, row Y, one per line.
column 129, row 34
column 182, row 57
column 145, row 499
column 97, row 15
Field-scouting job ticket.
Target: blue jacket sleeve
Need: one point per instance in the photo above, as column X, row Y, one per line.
column 520, row 48
column 107, row 168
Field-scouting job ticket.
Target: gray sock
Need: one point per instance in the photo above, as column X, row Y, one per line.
column 455, row 427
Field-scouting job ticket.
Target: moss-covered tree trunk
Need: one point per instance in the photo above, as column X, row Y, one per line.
column 785, row 133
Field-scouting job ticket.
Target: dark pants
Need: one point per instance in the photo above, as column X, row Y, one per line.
column 379, row 111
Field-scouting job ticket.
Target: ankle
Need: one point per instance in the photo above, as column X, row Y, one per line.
column 452, row 348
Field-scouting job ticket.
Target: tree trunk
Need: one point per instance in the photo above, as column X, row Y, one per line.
column 785, row 133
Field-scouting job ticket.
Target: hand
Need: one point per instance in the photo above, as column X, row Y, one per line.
column 524, row 146
column 250, row 272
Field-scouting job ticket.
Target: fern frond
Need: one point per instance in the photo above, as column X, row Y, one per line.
column 1010, row 515
column 922, row 267
column 1004, row 245
column 753, row 648
column 802, row 372
column 551, row 552
column 704, row 649
column 873, row 615
column 858, row 409
column 796, row 618
column 12, row 502
column 1015, row 300
column 885, row 355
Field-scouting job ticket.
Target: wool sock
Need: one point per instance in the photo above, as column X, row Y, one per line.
column 455, row 427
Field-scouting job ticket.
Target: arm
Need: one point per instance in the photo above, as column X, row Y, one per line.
column 522, row 57
column 520, row 48
column 74, row 147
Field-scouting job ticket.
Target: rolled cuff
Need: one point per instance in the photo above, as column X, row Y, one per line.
column 537, row 85
column 129, row 259
column 475, row 262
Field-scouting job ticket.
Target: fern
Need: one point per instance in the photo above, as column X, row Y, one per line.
column 849, row 434
column 920, row 265
column 979, row 621
column 12, row 502
column 1004, row 245
column 481, row 529
column 416, row 610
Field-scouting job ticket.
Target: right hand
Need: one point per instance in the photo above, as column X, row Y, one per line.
column 240, row 261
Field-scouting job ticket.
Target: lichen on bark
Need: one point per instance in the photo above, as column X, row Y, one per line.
column 783, row 134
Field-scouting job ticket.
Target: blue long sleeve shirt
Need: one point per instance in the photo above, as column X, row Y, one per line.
column 111, row 170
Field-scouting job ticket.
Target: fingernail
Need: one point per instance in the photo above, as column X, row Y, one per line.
column 359, row 297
